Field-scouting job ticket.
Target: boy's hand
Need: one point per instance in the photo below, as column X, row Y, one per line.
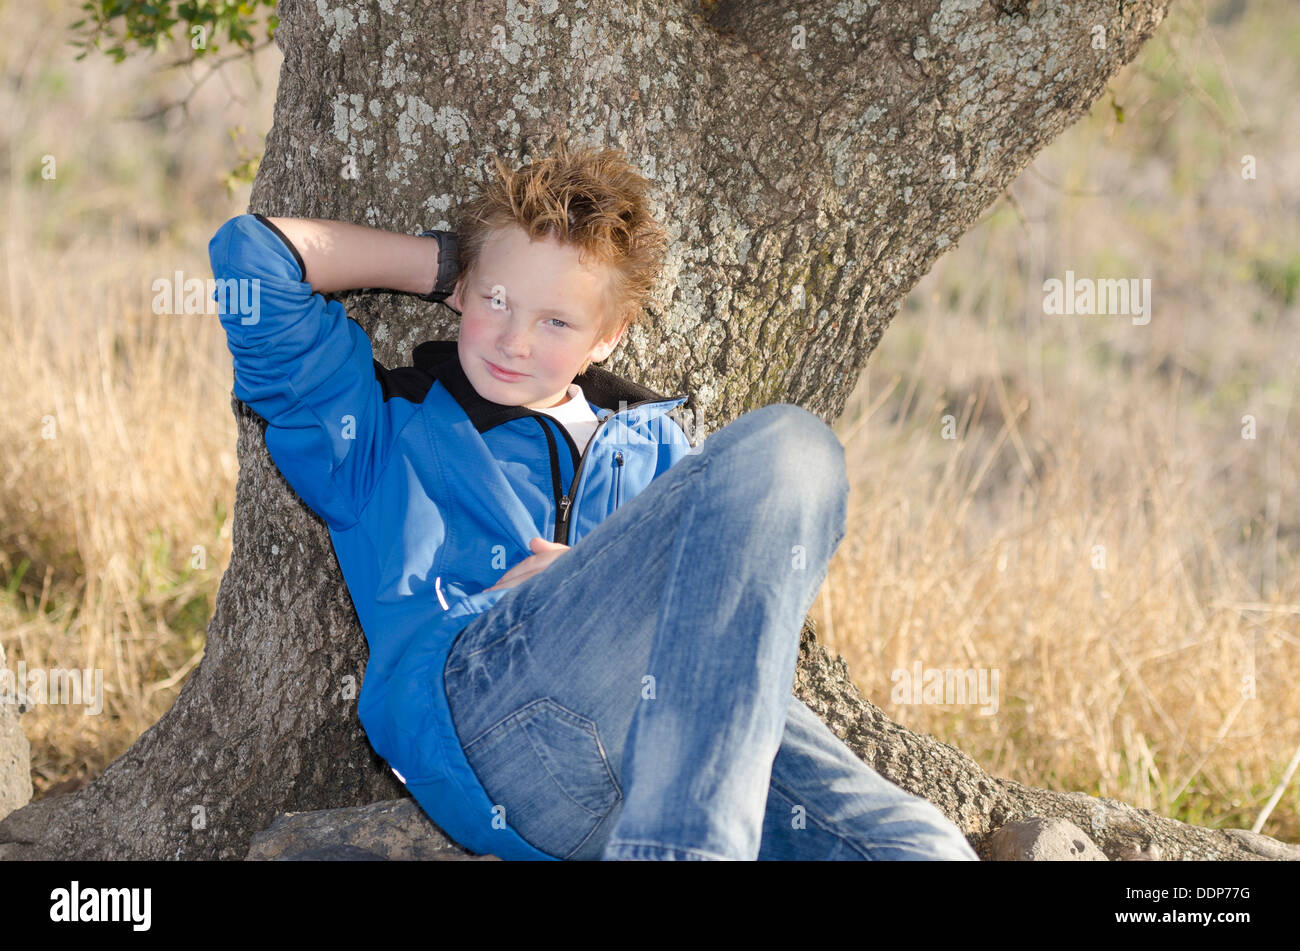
column 544, row 553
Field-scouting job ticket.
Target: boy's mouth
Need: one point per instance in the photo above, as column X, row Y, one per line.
column 503, row 374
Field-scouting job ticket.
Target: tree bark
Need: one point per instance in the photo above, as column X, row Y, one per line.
column 812, row 161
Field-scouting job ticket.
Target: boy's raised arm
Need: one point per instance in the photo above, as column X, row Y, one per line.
column 300, row 362
column 339, row 256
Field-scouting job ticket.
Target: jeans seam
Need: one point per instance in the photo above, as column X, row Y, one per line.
column 478, row 650
column 639, row 843
column 587, row 838
column 825, row 824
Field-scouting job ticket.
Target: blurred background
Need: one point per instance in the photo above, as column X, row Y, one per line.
column 1104, row 512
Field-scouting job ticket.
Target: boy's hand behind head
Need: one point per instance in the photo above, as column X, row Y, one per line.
column 544, row 552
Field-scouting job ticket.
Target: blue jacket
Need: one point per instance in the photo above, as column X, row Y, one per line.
column 430, row 493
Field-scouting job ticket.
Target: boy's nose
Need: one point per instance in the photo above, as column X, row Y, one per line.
column 514, row 347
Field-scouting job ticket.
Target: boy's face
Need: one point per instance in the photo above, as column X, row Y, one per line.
column 532, row 308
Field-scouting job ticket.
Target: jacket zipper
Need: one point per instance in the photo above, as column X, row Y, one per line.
column 565, row 502
column 554, row 457
column 618, row 478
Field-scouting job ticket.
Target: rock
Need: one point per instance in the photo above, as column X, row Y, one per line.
column 396, row 830
column 15, row 752
column 1265, row 846
column 1043, row 840
column 334, row 853
column 1135, row 853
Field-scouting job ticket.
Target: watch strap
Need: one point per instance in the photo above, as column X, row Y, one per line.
column 448, row 265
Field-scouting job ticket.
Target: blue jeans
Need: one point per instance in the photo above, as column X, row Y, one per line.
column 633, row 700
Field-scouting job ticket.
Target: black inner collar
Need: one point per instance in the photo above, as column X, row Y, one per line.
column 439, row 359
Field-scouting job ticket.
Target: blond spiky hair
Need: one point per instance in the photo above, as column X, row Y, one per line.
column 589, row 198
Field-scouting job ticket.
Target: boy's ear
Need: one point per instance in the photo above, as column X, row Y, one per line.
column 606, row 347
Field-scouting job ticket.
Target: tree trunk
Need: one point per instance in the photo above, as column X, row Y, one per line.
column 811, row 168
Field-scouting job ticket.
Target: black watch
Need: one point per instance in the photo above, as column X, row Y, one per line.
column 448, row 265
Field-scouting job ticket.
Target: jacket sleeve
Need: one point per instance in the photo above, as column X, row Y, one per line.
column 306, row 368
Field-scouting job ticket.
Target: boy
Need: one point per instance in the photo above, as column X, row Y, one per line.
column 579, row 648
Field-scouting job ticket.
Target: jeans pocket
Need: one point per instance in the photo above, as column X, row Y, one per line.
column 545, row 766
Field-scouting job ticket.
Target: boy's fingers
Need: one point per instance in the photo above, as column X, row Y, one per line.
column 530, row 566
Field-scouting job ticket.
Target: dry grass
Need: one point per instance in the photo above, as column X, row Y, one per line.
column 119, row 442
column 119, row 462
column 1097, row 528
column 975, row 551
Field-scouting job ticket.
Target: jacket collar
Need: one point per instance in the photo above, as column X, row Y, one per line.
column 439, row 359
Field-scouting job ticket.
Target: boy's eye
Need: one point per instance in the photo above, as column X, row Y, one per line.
column 502, row 306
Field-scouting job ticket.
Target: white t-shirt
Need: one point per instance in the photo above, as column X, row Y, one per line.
column 575, row 415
